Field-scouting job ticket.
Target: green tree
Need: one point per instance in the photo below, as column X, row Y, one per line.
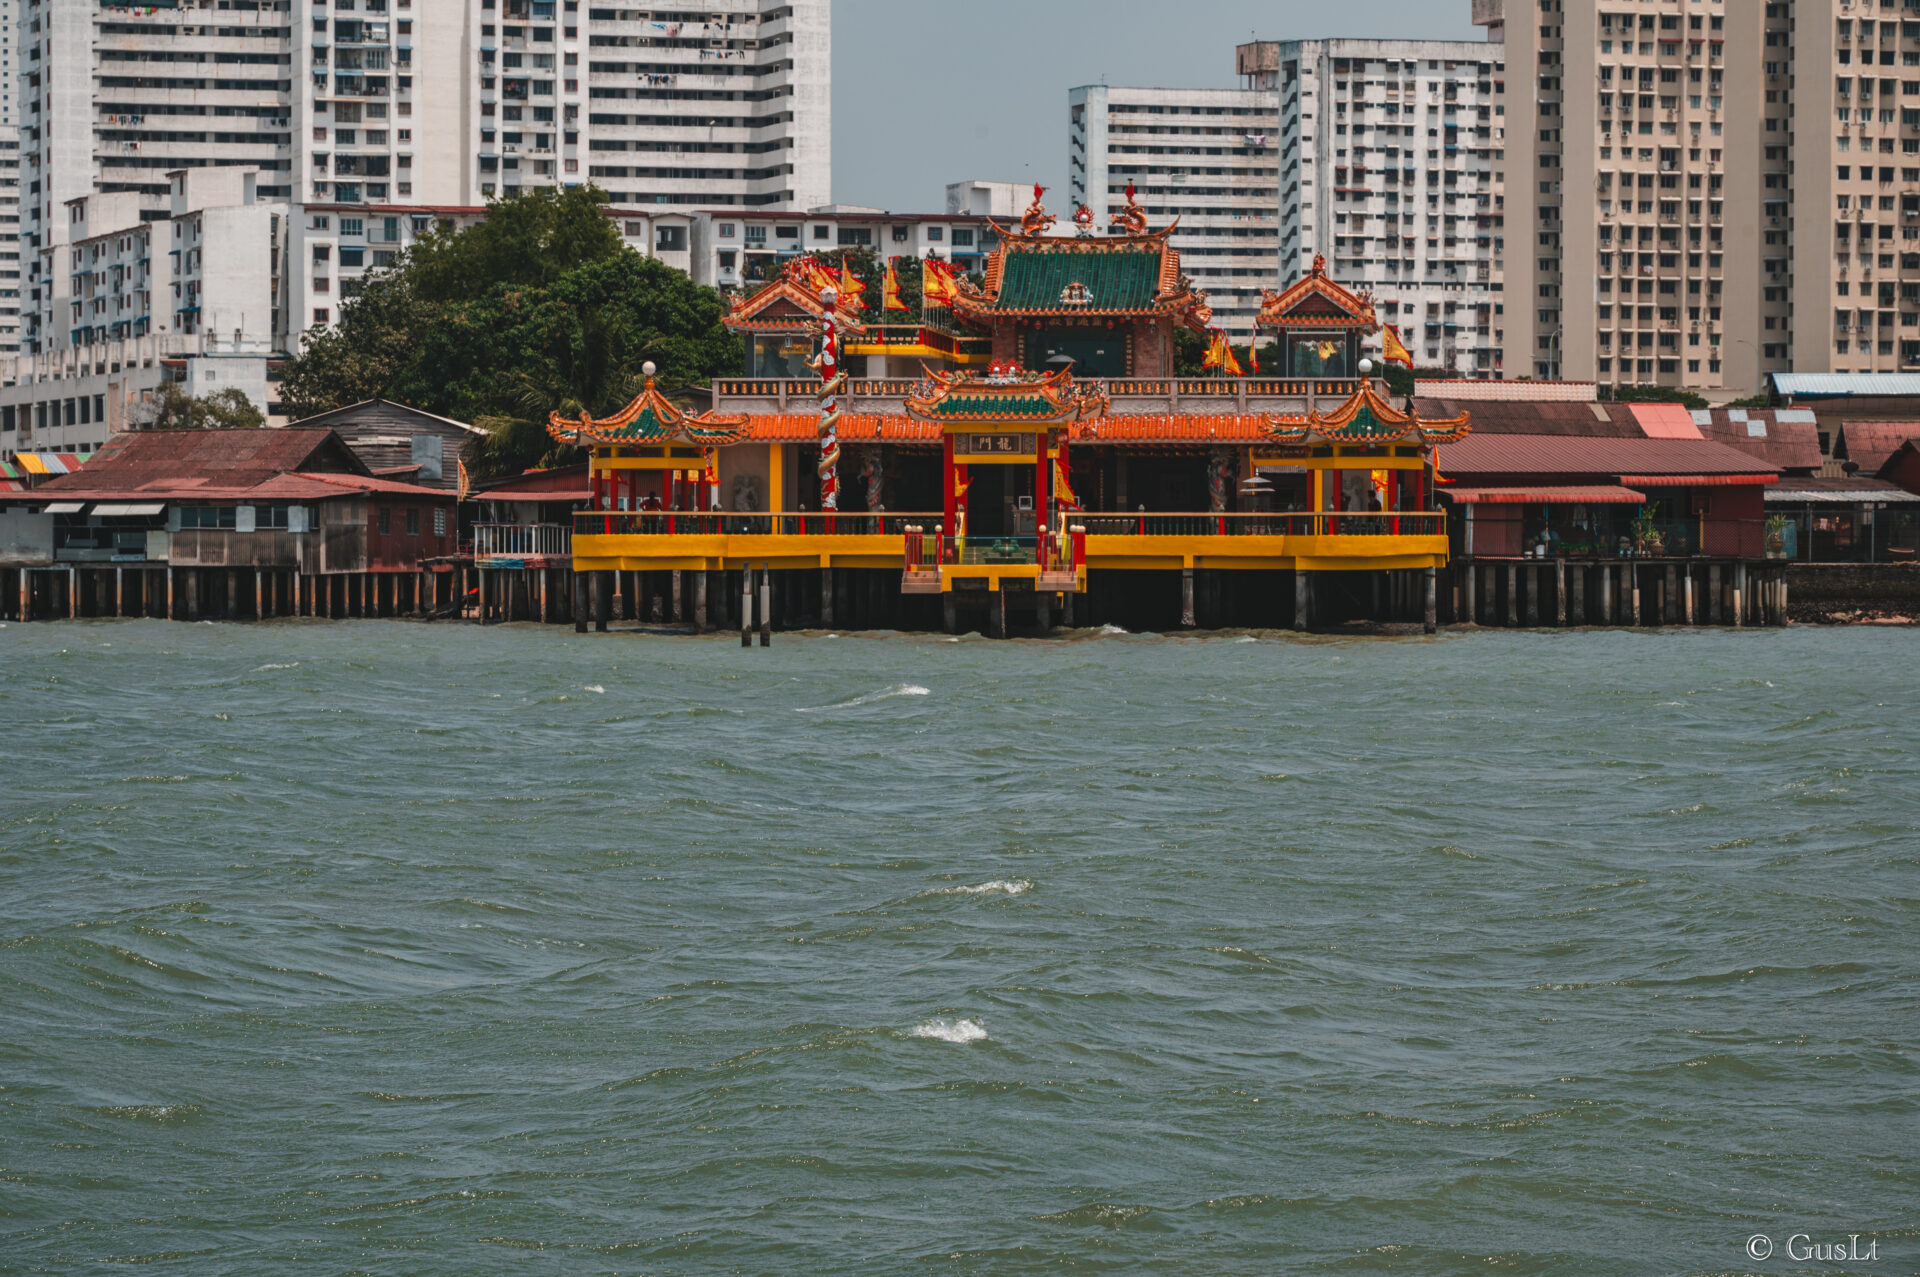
column 378, row 337
column 532, row 237
column 1652, row 394
column 537, row 309
column 175, row 409
column 509, row 358
column 1189, row 352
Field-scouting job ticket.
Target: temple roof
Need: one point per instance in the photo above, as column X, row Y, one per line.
column 788, row 305
column 1365, row 418
column 1315, row 303
column 1127, row 275
column 1006, row 394
column 650, row 418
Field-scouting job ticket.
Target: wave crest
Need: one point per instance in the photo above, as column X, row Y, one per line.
column 960, row 1031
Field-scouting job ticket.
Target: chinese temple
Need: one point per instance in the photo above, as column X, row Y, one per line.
column 1022, row 452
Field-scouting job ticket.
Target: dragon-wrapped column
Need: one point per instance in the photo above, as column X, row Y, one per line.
column 832, row 382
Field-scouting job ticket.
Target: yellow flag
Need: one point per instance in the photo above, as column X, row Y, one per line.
column 892, row 289
column 936, row 283
column 1393, row 350
column 851, row 288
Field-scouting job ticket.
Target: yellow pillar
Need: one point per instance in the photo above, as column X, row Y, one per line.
column 775, row 480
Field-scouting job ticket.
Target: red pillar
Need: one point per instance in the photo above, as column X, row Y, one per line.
column 947, row 476
column 1041, row 505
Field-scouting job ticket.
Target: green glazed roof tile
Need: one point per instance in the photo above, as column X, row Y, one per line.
column 1122, row 280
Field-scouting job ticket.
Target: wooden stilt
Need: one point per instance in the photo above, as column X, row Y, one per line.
column 579, row 602
column 1432, row 603
column 1186, row 599
column 1513, row 594
column 1043, row 612
column 826, row 598
column 603, row 583
column 1469, row 604
column 1739, row 591
column 746, row 607
column 1560, row 593
column 766, row 603
column 950, row 612
column 700, row 602
column 1300, row 592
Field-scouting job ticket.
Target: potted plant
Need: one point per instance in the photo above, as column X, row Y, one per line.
column 1776, row 536
column 1647, row 538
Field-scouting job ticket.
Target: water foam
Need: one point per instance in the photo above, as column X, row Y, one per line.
column 950, row 1031
column 596, row 688
column 276, row 665
column 887, row 694
column 999, row 886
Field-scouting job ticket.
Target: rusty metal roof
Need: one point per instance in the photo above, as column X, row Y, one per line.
column 1870, row 443
column 291, row 464
column 1565, row 457
column 155, row 460
column 1787, row 438
column 1527, row 417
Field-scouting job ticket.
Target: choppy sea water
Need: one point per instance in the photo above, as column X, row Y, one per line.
column 389, row 948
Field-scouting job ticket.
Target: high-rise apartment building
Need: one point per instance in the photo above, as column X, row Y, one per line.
column 722, row 108
column 1392, row 163
column 409, row 102
column 1670, row 164
column 1851, row 194
column 1209, row 157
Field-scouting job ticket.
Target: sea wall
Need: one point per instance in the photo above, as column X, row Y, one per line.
column 1831, row 593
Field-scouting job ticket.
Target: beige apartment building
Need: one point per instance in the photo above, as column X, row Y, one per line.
column 1719, row 189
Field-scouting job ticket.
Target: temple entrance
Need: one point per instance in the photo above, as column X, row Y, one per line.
column 994, row 502
column 1095, row 352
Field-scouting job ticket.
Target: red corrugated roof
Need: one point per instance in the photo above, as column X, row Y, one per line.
column 1870, row 443
column 1792, row 444
column 1524, row 417
column 150, row 460
column 1544, row 494
column 1665, row 421
column 1540, row 456
column 292, row 464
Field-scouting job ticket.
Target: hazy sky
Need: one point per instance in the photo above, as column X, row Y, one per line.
column 927, row 92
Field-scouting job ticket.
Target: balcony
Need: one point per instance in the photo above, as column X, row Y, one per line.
column 932, row 560
column 1129, row 394
column 512, row 544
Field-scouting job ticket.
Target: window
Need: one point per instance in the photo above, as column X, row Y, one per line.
column 386, row 520
column 935, row 234
column 413, row 521
column 822, row 233
column 269, row 516
column 439, row 523
column 963, row 237
column 209, row 517
column 321, row 315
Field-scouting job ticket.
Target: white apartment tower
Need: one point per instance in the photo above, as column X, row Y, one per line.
column 1206, row 156
column 419, row 103
column 1393, row 167
column 724, row 108
column 9, row 182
